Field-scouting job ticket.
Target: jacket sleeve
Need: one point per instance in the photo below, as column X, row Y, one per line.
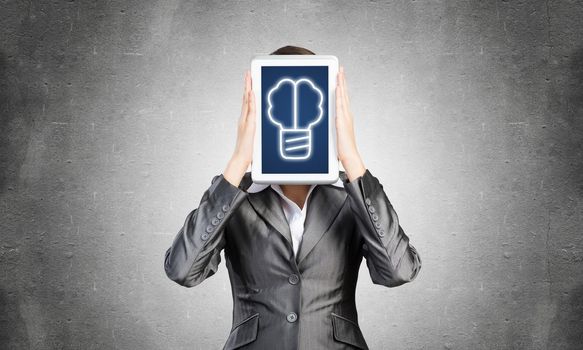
column 195, row 252
column 391, row 259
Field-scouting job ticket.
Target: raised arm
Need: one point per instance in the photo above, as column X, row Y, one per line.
column 195, row 251
column 390, row 258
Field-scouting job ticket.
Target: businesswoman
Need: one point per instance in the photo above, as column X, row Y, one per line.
column 293, row 252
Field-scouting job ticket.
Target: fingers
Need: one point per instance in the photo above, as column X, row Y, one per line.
column 245, row 104
column 250, row 98
column 251, row 114
column 248, row 81
column 251, row 95
column 339, row 106
column 344, row 111
column 345, row 98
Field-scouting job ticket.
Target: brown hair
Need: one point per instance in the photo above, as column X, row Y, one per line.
column 292, row 50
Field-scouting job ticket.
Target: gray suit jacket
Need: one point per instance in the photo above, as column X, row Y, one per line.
column 282, row 301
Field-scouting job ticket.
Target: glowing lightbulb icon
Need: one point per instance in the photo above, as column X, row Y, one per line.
column 295, row 131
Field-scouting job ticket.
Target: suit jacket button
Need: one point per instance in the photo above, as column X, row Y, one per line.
column 215, row 221
column 204, row 236
column 371, row 209
column 377, row 224
column 292, row 317
column 225, row 208
column 367, row 201
column 209, row 229
column 293, row 279
column 220, row 215
column 381, row 233
column 375, row 217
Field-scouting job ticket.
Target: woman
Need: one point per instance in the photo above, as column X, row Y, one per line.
column 293, row 251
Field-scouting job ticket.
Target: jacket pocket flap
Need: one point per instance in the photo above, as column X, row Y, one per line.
column 243, row 333
column 348, row 332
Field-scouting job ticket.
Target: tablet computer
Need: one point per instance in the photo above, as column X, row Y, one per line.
column 295, row 135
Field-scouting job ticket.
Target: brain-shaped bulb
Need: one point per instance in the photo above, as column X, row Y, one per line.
column 295, row 107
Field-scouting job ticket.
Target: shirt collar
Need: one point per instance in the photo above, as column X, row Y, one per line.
column 289, row 202
column 254, row 188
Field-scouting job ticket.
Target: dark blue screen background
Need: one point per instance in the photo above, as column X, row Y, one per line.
column 272, row 162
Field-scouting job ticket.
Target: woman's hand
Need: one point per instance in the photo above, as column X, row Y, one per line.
column 347, row 151
column 243, row 154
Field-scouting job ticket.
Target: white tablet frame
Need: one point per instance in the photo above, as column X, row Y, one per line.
column 295, row 60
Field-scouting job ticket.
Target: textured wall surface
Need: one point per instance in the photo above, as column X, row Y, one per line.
column 114, row 117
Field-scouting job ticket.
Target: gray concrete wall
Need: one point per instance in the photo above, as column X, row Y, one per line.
column 116, row 115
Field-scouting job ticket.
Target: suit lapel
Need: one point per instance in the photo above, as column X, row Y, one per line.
column 266, row 204
column 324, row 205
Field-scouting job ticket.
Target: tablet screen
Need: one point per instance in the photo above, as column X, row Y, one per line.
column 294, row 119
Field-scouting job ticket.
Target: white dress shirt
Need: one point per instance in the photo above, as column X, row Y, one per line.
column 295, row 216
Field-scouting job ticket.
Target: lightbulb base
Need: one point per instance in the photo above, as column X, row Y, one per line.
column 295, row 144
